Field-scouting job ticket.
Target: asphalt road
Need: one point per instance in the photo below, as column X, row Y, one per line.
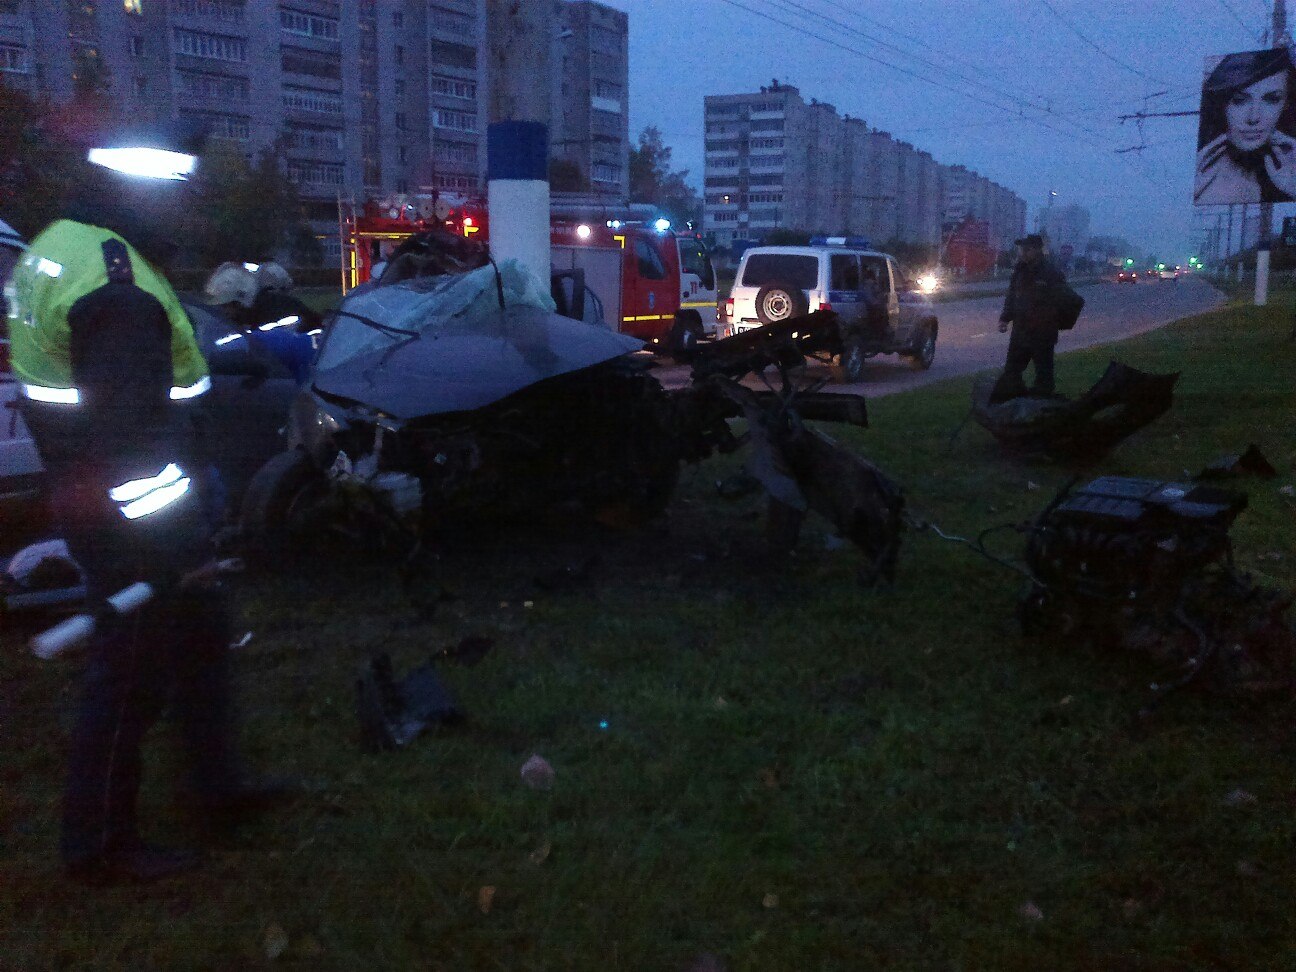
column 970, row 340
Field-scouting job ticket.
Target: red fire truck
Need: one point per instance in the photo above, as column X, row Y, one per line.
column 651, row 282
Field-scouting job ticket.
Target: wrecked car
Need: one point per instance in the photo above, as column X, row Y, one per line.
column 465, row 391
column 465, row 395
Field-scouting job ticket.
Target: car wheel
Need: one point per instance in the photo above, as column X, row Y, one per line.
column 852, row 359
column 685, row 334
column 780, row 302
column 277, row 507
column 925, row 353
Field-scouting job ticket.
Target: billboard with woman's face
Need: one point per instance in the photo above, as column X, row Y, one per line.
column 1246, row 142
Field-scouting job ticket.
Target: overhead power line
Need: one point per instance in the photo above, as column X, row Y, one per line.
column 895, row 67
column 1101, row 50
column 1238, row 17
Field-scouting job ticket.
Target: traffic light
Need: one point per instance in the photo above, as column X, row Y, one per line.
column 1129, row 261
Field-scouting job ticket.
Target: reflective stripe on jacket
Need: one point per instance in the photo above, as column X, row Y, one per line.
column 62, row 265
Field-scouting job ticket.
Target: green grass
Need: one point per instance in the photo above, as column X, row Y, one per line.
column 900, row 768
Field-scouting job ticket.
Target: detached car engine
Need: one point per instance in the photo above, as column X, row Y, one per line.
column 1145, row 565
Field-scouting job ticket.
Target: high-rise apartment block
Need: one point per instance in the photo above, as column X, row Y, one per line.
column 775, row 161
column 366, row 97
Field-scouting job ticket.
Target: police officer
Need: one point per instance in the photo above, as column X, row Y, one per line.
column 110, row 373
column 1032, row 308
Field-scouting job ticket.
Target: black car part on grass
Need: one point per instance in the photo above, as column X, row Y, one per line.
column 1147, row 566
column 1252, row 462
column 393, row 714
column 1123, row 401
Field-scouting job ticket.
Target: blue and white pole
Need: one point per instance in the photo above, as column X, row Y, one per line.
column 517, row 194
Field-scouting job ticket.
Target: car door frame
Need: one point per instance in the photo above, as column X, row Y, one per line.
column 847, row 303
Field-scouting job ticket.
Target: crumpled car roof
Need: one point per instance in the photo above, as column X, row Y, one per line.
column 456, row 351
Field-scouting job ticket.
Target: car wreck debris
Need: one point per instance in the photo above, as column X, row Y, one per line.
column 1147, row 566
column 392, row 714
column 1122, row 402
column 1252, row 462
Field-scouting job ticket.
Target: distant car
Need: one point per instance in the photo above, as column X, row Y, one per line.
column 1168, row 273
column 878, row 310
column 1127, row 276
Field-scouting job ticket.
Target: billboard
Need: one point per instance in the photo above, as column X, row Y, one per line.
column 1246, row 138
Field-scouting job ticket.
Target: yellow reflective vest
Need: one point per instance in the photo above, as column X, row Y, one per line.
column 62, row 265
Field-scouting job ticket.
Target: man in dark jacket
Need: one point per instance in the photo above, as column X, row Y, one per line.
column 1032, row 308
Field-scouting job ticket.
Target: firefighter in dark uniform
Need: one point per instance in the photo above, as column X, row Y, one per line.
column 110, row 375
column 1032, row 308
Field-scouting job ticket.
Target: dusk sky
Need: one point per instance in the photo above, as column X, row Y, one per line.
column 1025, row 55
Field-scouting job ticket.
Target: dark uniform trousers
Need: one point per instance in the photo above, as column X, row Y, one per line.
column 1029, row 345
column 176, row 651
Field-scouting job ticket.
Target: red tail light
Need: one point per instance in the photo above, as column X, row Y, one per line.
column 727, row 308
column 825, row 306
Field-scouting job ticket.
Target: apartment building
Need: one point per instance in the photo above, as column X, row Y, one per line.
column 775, row 161
column 366, row 97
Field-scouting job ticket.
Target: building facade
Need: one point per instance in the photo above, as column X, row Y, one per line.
column 775, row 161
column 364, row 98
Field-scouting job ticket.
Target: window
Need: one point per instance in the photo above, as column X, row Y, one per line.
column 606, row 172
column 461, row 121
column 304, row 99
column 801, row 272
column 400, row 121
column 214, row 87
column 606, row 89
column 402, row 153
column 767, row 106
column 649, row 263
column 315, row 139
column 216, row 47
column 453, row 55
column 730, row 163
column 724, row 217
column 721, row 110
column 456, row 182
column 398, row 19
column 137, row 46
column 450, row 21
column 693, row 259
column 402, row 186
column 400, row 54
column 728, row 146
column 315, row 173
column 372, row 173
column 297, row 60
column 455, row 153
column 765, row 197
column 454, row 87
column 400, row 87
column 876, row 269
column 765, row 215
column 767, row 161
column 141, row 86
column 767, row 125
column 308, row 25
column 230, row 11
column 766, row 180
column 236, row 128
column 13, row 59
column 845, row 272
column 766, row 143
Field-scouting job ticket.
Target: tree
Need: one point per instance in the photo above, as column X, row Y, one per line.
column 38, row 163
column 246, row 211
column 652, row 180
column 565, row 176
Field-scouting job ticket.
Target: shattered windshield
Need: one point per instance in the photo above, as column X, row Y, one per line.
column 383, row 317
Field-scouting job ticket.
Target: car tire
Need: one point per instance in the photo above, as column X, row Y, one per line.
column 853, row 358
column 925, row 350
column 779, row 302
column 271, row 513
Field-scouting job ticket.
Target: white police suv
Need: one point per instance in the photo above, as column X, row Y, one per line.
column 877, row 309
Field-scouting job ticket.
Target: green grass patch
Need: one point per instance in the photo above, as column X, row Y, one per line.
column 796, row 774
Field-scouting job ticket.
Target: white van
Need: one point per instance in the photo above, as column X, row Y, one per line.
column 878, row 310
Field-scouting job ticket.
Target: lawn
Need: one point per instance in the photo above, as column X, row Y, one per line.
column 795, row 773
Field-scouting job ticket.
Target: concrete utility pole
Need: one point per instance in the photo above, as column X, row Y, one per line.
column 1280, row 39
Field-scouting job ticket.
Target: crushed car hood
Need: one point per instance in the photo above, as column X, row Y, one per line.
column 469, row 363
